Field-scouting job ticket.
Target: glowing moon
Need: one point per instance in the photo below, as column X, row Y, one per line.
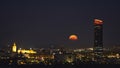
column 73, row 37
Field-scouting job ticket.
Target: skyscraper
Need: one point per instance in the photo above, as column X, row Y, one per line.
column 98, row 39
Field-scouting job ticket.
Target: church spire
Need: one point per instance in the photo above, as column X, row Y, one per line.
column 14, row 47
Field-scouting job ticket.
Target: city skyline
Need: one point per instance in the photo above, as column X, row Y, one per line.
column 46, row 23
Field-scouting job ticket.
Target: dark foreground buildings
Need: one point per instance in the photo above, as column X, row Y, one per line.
column 98, row 39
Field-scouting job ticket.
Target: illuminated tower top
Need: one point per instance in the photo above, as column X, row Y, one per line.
column 14, row 47
column 98, row 22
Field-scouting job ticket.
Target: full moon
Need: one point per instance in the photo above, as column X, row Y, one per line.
column 73, row 37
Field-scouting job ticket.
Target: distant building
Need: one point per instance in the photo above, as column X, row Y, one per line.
column 98, row 39
column 14, row 48
column 29, row 51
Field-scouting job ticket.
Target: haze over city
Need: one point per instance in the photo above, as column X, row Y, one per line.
column 44, row 23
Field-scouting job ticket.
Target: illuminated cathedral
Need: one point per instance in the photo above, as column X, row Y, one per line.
column 14, row 50
column 14, row 47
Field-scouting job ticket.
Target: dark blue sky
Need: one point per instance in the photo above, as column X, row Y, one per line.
column 40, row 23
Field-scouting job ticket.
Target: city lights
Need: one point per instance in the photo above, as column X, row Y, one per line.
column 15, row 55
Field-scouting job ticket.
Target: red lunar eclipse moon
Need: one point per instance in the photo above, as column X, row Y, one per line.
column 73, row 37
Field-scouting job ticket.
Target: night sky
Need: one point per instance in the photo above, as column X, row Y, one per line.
column 43, row 23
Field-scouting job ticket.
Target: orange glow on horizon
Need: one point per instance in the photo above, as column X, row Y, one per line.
column 73, row 37
column 98, row 22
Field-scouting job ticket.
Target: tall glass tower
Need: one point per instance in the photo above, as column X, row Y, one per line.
column 98, row 39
